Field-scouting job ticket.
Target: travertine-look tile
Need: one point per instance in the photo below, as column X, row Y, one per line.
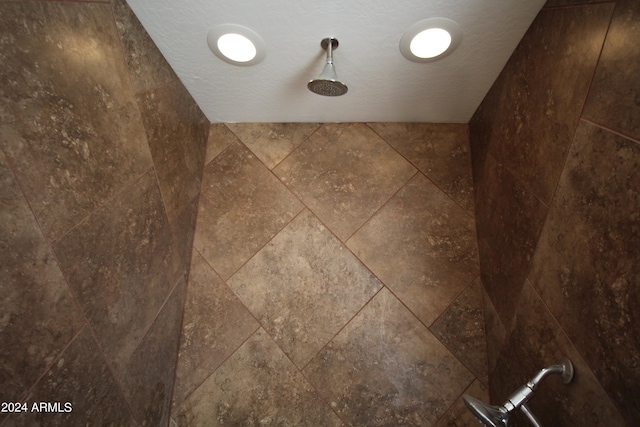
column 69, row 121
column 220, row 137
column 147, row 378
column 459, row 415
column 215, row 324
column 614, row 97
column 540, row 105
column 80, row 377
column 587, row 263
column 303, row 286
column 344, row 173
column 495, row 331
column 272, row 142
column 39, row 315
column 461, row 328
column 509, row 219
column 116, row 263
column 242, row 207
column 177, row 135
column 258, row 385
column 386, row 368
column 421, row 245
column 535, row 341
column 441, row 151
column 183, row 230
column 147, row 66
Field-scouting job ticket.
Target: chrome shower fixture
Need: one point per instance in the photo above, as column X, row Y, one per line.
column 497, row 416
column 328, row 84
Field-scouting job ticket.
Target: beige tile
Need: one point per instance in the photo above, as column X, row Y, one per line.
column 440, row 150
column 421, row 245
column 215, row 324
column 386, row 368
column 272, row 142
column 461, row 328
column 242, row 207
column 258, row 385
column 303, row 286
column 344, row 173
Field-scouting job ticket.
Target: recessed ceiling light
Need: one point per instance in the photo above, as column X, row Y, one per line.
column 430, row 39
column 236, row 44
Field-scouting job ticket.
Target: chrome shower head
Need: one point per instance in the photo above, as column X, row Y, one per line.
column 490, row 416
column 328, row 84
column 497, row 416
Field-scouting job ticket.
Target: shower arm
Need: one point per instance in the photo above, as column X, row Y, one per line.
column 330, row 52
column 521, row 396
column 524, row 393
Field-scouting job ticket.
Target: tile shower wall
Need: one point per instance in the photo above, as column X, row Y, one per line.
column 556, row 156
column 101, row 159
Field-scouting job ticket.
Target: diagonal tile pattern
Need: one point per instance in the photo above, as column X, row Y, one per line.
column 333, row 282
column 303, row 287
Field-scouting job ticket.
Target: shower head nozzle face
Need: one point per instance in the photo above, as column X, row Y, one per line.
column 327, row 87
column 490, row 416
column 327, row 84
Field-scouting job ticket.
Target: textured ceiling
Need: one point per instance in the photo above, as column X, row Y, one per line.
column 383, row 85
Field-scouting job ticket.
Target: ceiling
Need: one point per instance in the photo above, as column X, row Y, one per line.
column 383, row 85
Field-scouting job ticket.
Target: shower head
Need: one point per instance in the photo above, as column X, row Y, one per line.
column 490, row 416
column 497, row 416
column 328, row 84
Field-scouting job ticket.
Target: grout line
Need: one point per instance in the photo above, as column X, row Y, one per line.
column 572, row 345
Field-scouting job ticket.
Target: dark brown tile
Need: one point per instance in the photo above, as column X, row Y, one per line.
column 534, row 342
column 509, row 219
column 495, row 331
column 81, row 378
column 241, row 208
column 147, row 378
column 272, row 142
column 116, row 263
column 421, row 245
column 614, row 98
column 215, row 325
column 560, row 3
column 258, row 385
column 183, row 230
column 440, row 150
column 344, row 173
column 538, row 110
column 220, row 138
column 39, row 314
column 459, row 415
column 147, row 66
column 68, row 109
column 303, row 287
column 177, row 135
column 386, row 368
column 586, row 264
column 461, row 328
